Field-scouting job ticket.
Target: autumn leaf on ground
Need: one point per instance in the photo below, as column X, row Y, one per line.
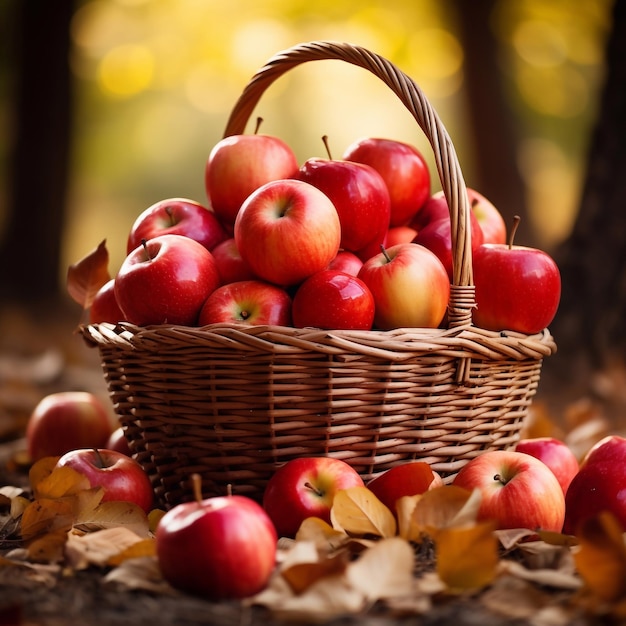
column 48, row 548
column 142, row 573
column 112, row 515
column 325, row 538
column 45, row 516
column 85, row 277
column 357, row 511
column 601, row 557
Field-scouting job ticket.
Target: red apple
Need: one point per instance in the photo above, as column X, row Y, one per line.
column 166, row 281
column 347, row 262
column 176, row 216
column 249, row 302
column 517, row 288
column 410, row 287
column 67, row 420
column 359, row 194
column 555, row 454
column 305, row 487
column 104, row 307
column 400, row 234
column 599, row 485
column 402, row 167
column 287, row 230
column 123, row 478
column 334, row 300
column 219, row 548
column 518, row 490
column 240, row 164
column 118, row 442
column 231, row 267
column 408, row 479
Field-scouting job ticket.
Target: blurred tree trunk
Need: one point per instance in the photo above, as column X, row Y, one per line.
column 39, row 159
column 590, row 324
column 491, row 122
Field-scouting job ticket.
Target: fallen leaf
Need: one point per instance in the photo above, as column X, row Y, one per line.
column 99, row 547
column 546, row 577
column 357, row 511
column 115, row 514
column 45, row 516
column 143, row 548
column 40, row 470
column 143, row 574
column 48, row 548
column 86, row 276
column 60, row 482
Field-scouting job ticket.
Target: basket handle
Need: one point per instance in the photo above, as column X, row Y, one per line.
column 462, row 299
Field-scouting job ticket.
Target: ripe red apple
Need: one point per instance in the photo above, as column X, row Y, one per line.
column 334, row 300
column 555, row 454
column 104, row 307
column 359, row 194
column 166, row 281
column 67, row 420
column 518, row 490
column 402, row 167
column 517, row 288
column 305, row 487
column 231, row 267
column 287, row 230
column 410, row 287
column 400, row 234
column 118, row 442
column 220, row 548
column 408, row 479
column 599, row 485
column 123, row 478
column 176, row 216
column 249, row 302
column 347, row 262
column 240, row 164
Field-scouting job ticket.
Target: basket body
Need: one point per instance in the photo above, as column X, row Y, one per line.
column 233, row 403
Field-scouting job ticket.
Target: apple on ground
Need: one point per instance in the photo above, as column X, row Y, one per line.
column 287, row 230
column 122, row 478
column 410, row 287
column 599, row 485
column 407, row 479
column 347, row 262
column 240, row 164
column 166, row 281
column 306, row 487
column 253, row 302
column 517, row 288
column 555, row 453
column 518, row 490
column 104, row 307
column 359, row 195
column 118, row 442
column 231, row 267
column 332, row 299
column 402, row 167
column 219, row 548
column 66, row 420
column 176, row 216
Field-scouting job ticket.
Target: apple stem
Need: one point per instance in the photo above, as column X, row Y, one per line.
column 500, row 479
column 168, row 210
column 516, row 220
column 387, row 257
column 196, row 484
column 327, row 146
column 229, row 490
column 99, row 458
column 259, row 121
column 144, row 243
column 308, row 485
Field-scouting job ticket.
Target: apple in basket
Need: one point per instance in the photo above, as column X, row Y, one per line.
column 333, row 300
column 166, row 280
column 249, row 302
column 402, row 167
column 287, row 230
column 517, row 288
column 410, row 287
column 104, row 307
column 240, row 164
column 176, row 216
column 359, row 194
column 219, row 548
column 118, row 442
column 122, row 478
column 518, row 490
column 306, row 487
column 231, row 267
column 347, row 262
column 66, row 420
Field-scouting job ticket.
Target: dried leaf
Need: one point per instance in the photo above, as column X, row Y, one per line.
column 467, row 557
column 143, row 548
column 142, row 574
column 97, row 548
column 300, row 576
column 48, row 548
column 546, row 577
column 61, row 482
column 357, row 511
column 40, row 470
column 85, row 277
column 46, row 516
column 405, row 505
column 115, row 514
column 325, row 538
column 18, row 506
column 601, row 557
column 154, row 517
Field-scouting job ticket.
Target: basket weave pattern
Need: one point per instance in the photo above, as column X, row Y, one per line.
column 233, row 402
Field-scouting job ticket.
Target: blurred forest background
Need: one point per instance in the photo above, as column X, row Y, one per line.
column 107, row 106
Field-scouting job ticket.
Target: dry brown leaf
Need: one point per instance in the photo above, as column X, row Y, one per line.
column 142, row 573
column 18, row 506
column 405, row 506
column 467, row 557
column 546, row 577
column 300, row 576
column 86, row 276
column 97, row 548
column 154, row 517
column 48, row 548
column 40, row 470
column 322, row 534
column 514, row 598
column 143, row 548
column 113, row 515
column 357, row 511
column 601, row 557
column 60, row 482
column 46, row 516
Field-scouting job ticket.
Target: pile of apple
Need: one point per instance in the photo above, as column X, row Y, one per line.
column 352, row 243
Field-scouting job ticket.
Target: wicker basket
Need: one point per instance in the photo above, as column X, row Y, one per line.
column 233, row 402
